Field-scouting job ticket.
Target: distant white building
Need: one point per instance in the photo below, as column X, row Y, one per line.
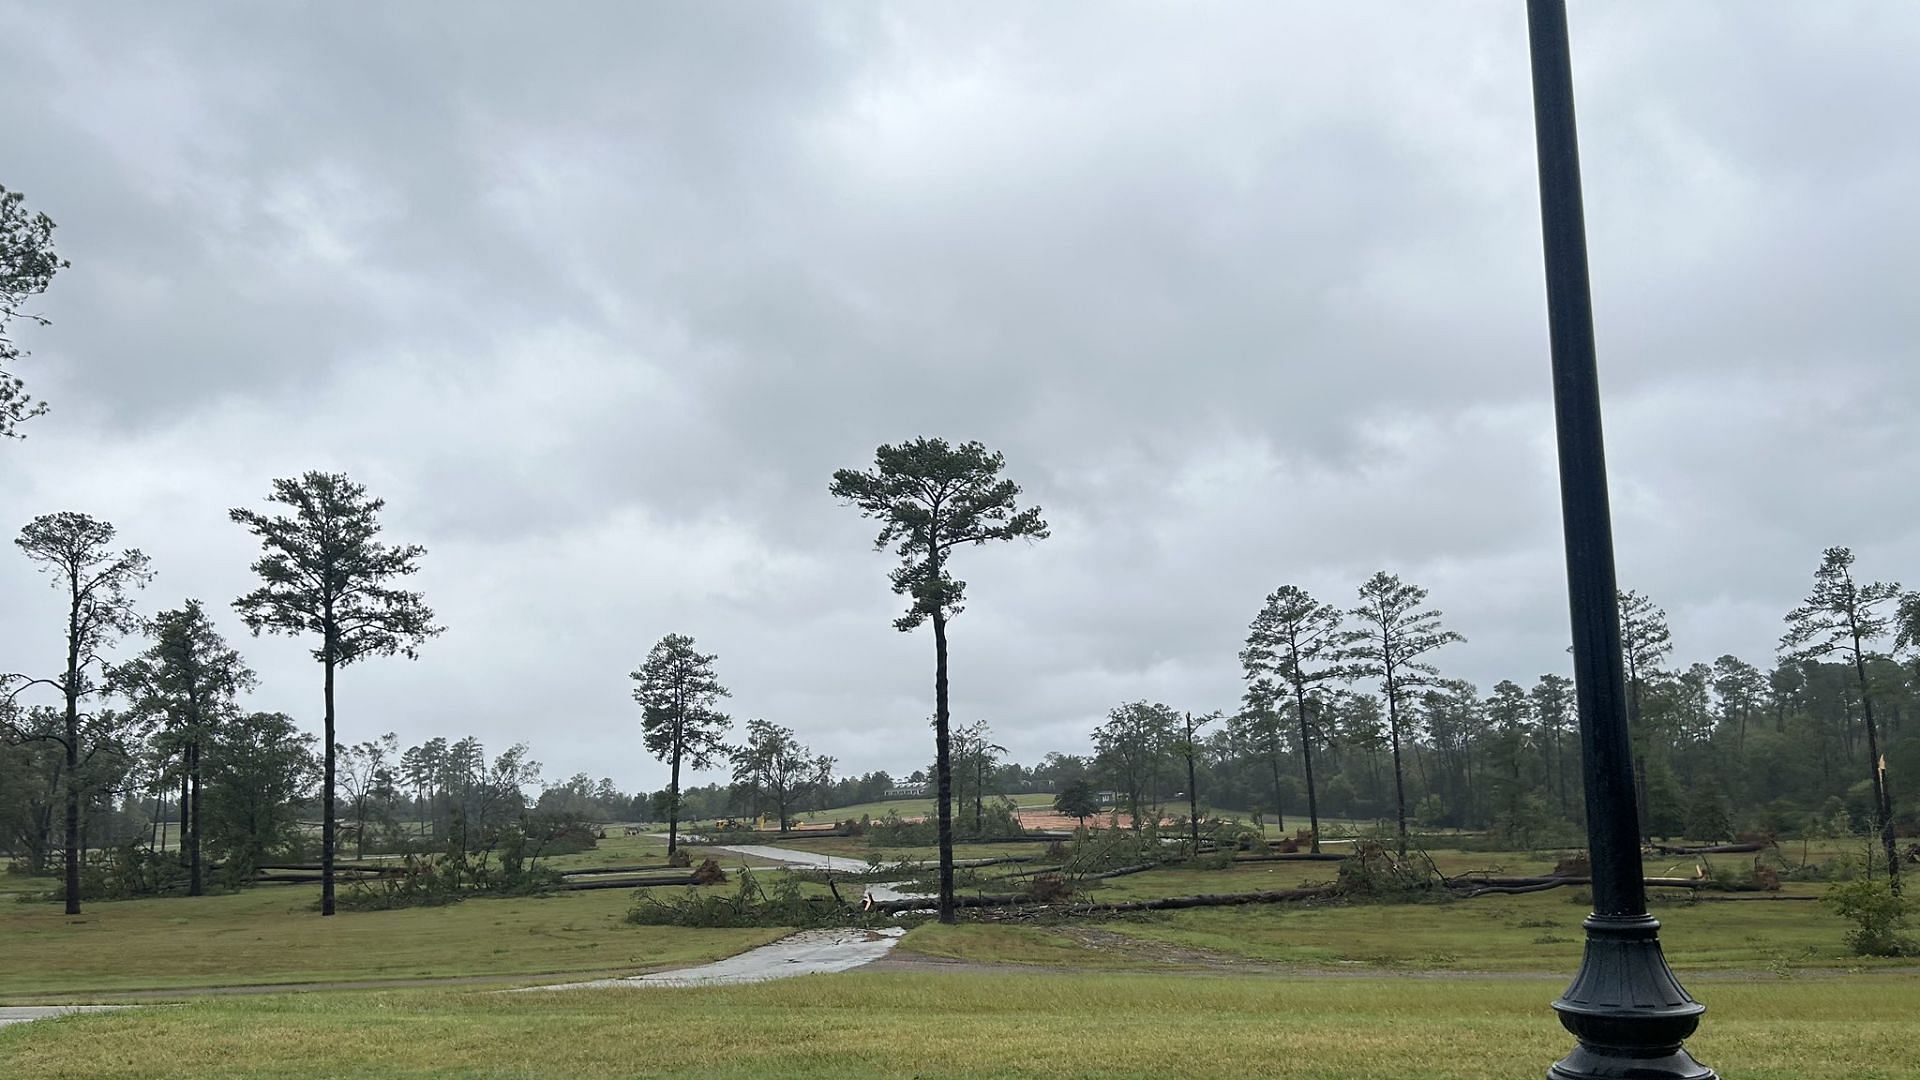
column 907, row 791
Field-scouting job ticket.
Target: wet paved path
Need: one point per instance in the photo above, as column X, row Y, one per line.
column 799, row 860
column 813, row 860
column 810, row 952
column 20, row 1014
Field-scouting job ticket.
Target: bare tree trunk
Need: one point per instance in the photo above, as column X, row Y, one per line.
column 1306, row 761
column 1399, row 781
column 195, row 882
column 1883, row 800
column 72, row 690
column 942, row 765
column 1193, row 792
column 1280, row 820
column 980, row 794
column 327, row 808
column 673, row 802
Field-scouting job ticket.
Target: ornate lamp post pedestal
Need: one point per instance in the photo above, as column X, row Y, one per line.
column 1625, row 1006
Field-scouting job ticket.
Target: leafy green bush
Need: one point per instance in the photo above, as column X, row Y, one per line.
column 1879, row 917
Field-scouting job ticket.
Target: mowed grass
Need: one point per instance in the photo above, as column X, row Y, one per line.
column 909, row 808
column 860, row 847
column 616, row 850
column 961, row 1025
column 271, row 935
column 1539, row 932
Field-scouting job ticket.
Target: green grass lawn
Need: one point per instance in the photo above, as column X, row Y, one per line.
column 907, row 808
column 963, row 1025
column 615, row 850
column 858, row 847
column 270, row 934
column 1536, row 932
column 13, row 885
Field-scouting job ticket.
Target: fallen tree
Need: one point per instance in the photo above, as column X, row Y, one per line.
column 1469, row 888
column 637, row 869
column 1120, row 871
column 928, row 903
column 1165, row 903
column 625, row 883
column 1747, row 847
column 1172, row 903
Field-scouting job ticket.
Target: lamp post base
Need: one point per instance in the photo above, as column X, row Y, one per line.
column 1618, row 1063
column 1625, row 1006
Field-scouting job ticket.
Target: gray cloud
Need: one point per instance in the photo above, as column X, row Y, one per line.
column 1248, row 295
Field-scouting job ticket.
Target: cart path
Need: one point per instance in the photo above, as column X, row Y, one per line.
column 20, row 1014
column 837, row 864
column 810, row 952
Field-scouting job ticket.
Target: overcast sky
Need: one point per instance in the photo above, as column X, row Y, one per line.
column 1249, row 294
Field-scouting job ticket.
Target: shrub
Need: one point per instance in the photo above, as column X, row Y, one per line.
column 1879, row 917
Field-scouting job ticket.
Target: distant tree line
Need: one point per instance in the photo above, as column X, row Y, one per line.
column 1344, row 716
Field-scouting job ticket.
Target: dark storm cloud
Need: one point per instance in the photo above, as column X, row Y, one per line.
column 1249, row 294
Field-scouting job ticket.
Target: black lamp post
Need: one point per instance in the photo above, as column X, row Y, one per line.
column 1625, row 1006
